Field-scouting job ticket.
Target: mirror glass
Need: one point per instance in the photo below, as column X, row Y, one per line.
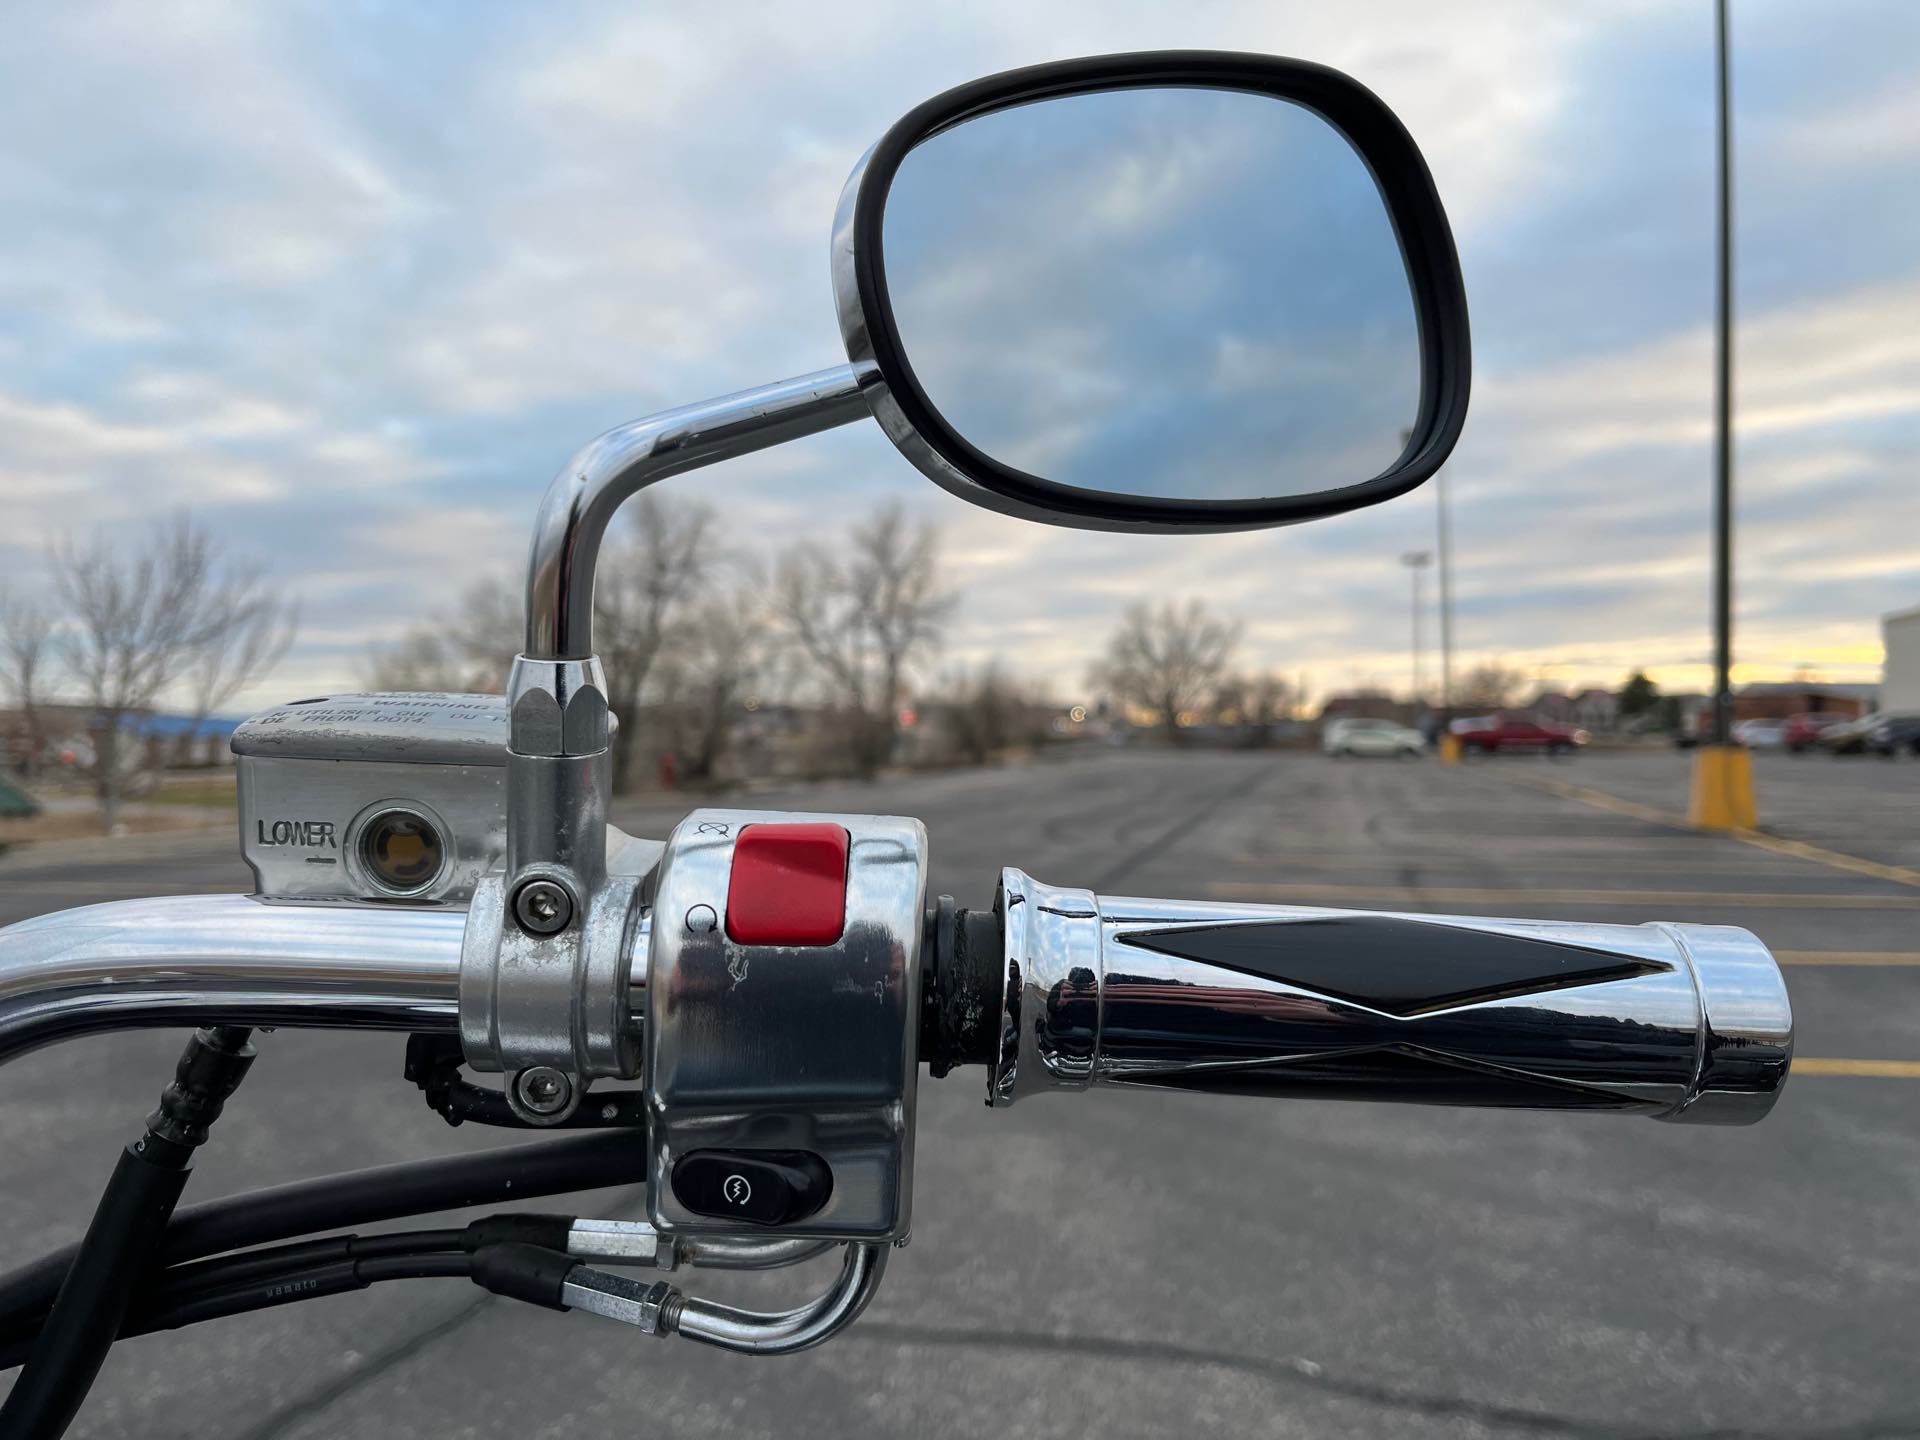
column 1169, row 292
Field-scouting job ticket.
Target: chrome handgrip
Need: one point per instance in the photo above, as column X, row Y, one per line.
column 1681, row 1022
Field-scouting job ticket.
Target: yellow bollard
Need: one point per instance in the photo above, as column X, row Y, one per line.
column 1452, row 749
column 1723, row 789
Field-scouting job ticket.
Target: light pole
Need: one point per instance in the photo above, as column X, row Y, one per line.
column 1445, row 547
column 1416, row 561
column 1722, row 771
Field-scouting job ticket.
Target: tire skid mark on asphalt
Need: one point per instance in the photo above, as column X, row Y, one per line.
column 1312, row 1375
column 1241, row 789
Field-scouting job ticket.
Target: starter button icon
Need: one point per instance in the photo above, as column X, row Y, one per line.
column 752, row 1187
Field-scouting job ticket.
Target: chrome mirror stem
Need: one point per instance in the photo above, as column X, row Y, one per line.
column 581, row 501
column 551, row 921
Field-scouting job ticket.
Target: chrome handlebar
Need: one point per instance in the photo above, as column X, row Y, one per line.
column 1056, row 989
column 1680, row 1022
column 226, row 960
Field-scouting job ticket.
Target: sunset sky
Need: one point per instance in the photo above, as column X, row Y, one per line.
column 350, row 282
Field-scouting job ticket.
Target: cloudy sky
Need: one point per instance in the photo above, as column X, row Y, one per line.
column 351, row 281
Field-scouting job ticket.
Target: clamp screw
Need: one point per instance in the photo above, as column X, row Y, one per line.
column 544, row 1090
column 543, row 907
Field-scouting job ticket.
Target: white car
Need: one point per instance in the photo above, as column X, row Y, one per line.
column 1371, row 737
column 1761, row 734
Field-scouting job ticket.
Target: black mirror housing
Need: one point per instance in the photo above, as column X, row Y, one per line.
column 900, row 399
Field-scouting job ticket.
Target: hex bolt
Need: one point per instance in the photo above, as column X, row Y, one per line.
column 543, row 907
column 543, row 1089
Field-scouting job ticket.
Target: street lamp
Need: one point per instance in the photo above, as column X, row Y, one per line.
column 1722, row 796
column 1416, row 561
column 1444, row 535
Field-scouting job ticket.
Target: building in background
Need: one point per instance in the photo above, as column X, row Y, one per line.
column 1777, row 701
column 1900, row 680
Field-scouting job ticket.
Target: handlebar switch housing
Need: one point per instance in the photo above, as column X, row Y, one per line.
column 762, row 1042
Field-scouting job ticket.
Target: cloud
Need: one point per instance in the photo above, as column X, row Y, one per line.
column 354, row 284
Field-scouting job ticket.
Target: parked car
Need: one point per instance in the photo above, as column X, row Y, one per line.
column 1372, row 737
column 1803, row 732
column 1761, row 734
column 1874, row 734
column 1900, row 732
column 1517, row 734
column 1335, row 732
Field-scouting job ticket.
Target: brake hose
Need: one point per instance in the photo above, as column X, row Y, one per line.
column 123, row 1242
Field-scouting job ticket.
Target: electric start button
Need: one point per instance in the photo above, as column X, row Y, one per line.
column 789, row 885
column 766, row 1187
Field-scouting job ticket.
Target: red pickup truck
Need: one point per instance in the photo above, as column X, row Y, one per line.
column 1517, row 733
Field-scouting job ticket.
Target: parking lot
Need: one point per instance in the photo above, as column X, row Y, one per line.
column 1137, row 1264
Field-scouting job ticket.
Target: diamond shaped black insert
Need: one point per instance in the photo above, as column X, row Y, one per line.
column 1401, row 967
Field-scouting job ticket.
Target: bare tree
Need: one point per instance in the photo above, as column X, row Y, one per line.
column 863, row 620
column 26, row 655
column 646, row 579
column 469, row 649
column 486, row 631
column 139, row 621
column 1255, row 703
column 986, row 712
column 257, row 630
column 708, row 666
column 1166, row 659
column 1491, row 686
column 424, row 658
column 1272, row 699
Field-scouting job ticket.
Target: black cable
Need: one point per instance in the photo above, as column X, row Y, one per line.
column 360, row 1197
column 194, row 1282
column 123, row 1241
column 209, row 1275
column 299, row 1283
column 282, row 1287
column 511, row 1267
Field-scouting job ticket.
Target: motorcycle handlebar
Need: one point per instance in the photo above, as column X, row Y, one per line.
column 1060, row 989
column 1680, row 1022
column 226, row 960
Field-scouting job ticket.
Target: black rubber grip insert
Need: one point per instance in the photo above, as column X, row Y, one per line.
column 1397, row 966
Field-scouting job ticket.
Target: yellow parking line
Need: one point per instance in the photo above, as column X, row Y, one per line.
column 1600, row 800
column 1899, row 874
column 1874, row 1069
column 1799, row 849
column 1537, row 895
column 1846, row 957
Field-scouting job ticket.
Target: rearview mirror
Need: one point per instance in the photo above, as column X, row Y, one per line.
column 1169, row 291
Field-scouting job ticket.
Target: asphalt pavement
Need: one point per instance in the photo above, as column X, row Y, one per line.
column 1142, row 1264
